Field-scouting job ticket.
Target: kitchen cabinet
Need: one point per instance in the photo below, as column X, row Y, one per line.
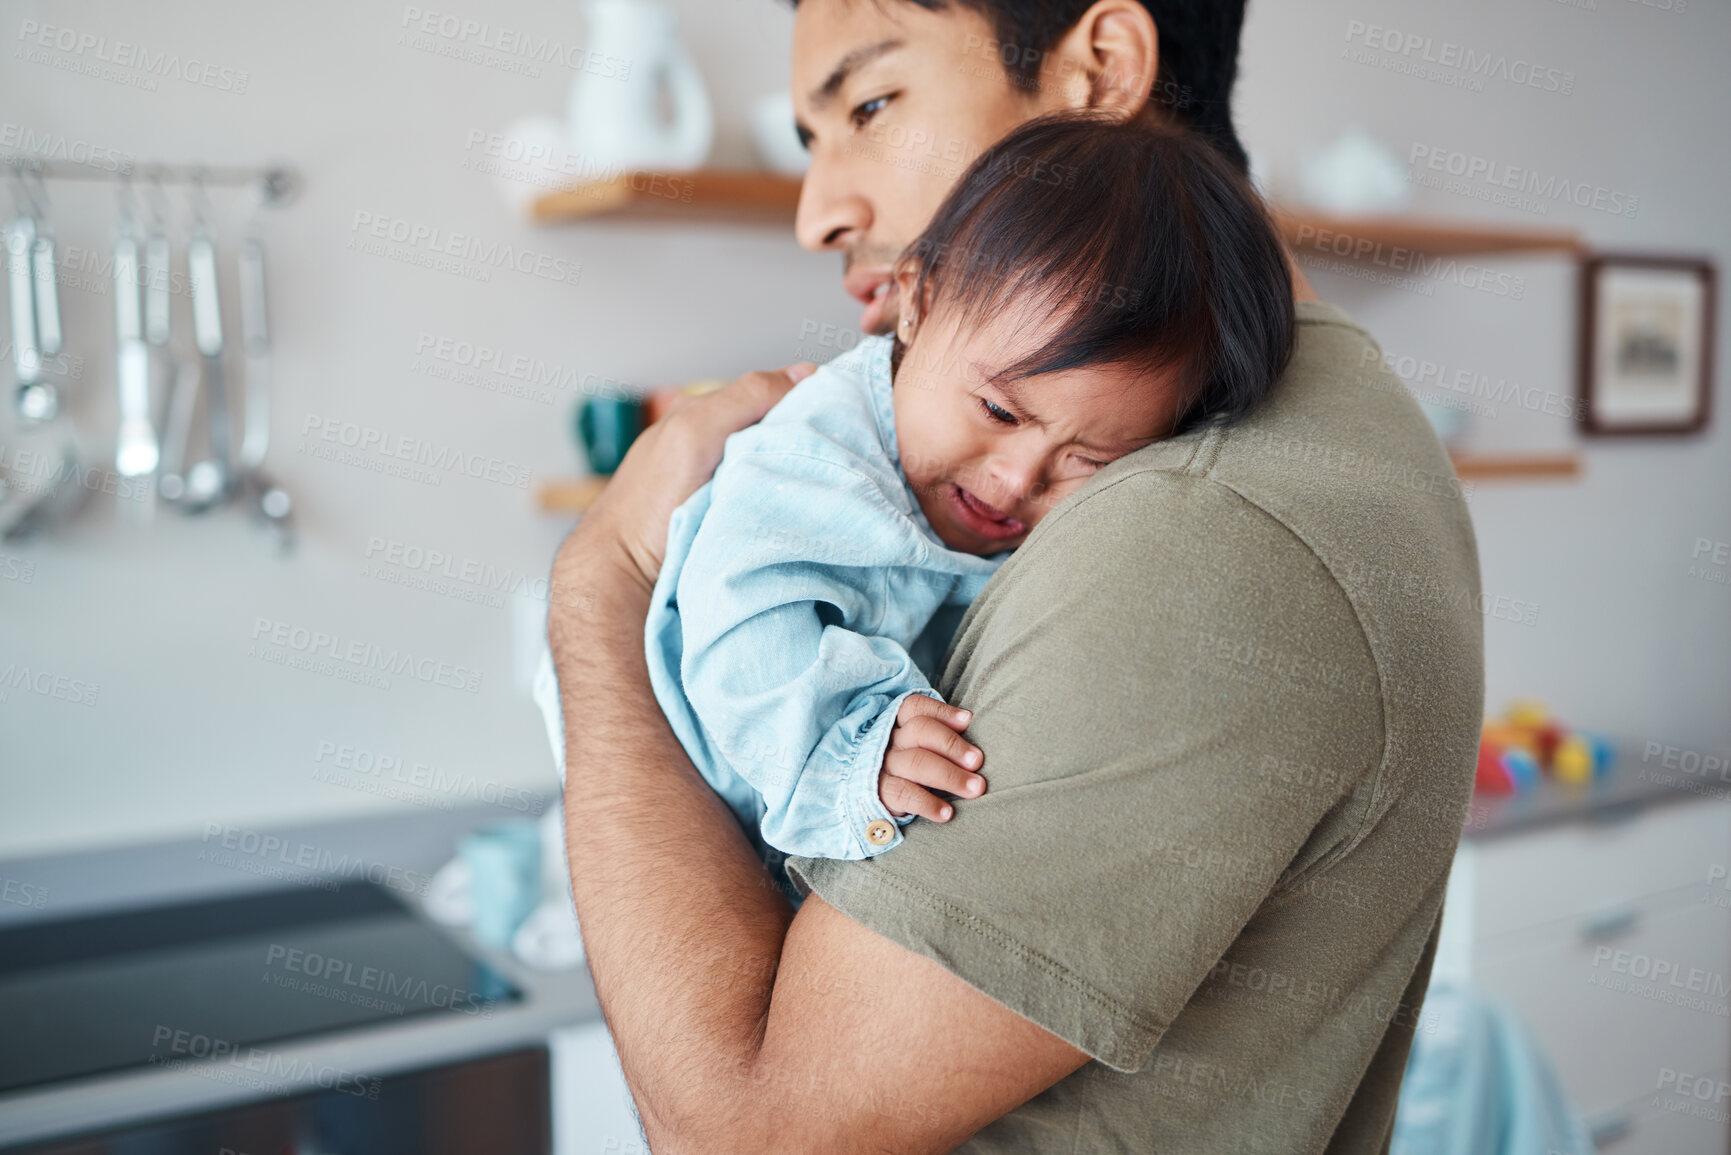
column 1608, row 932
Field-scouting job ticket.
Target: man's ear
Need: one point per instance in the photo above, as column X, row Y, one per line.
column 1107, row 62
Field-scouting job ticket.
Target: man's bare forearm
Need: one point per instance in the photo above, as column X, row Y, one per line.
column 682, row 924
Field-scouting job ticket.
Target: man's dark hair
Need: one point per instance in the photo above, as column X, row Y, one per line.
column 1198, row 54
column 1144, row 243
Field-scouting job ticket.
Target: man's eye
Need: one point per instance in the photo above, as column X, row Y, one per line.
column 1091, row 463
column 860, row 115
column 998, row 412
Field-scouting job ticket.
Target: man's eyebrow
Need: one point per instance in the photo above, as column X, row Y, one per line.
column 847, row 66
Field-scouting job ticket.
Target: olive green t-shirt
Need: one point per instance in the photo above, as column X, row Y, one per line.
column 1229, row 694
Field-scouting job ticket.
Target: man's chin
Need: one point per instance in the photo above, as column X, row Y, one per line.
column 867, row 272
column 877, row 318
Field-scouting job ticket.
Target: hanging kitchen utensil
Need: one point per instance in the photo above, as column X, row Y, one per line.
column 45, row 403
column 207, row 481
column 48, row 334
column 177, row 432
column 35, row 318
column 29, row 398
column 179, row 390
column 255, row 344
column 135, row 450
column 269, row 501
column 157, row 278
column 35, row 302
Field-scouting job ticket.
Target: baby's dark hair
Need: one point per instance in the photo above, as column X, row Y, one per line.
column 1153, row 249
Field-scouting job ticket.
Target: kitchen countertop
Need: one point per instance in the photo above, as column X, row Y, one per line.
column 1640, row 776
column 401, row 851
column 398, row 850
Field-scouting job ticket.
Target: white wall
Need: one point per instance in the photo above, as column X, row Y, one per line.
column 1625, row 641
column 189, row 729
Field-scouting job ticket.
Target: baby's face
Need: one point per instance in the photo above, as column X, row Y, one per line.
column 988, row 459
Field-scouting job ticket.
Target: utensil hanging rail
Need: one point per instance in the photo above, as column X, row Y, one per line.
column 278, row 180
column 143, row 254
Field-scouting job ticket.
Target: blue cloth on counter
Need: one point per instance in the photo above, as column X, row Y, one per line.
column 1477, row 1084
column 804, row 596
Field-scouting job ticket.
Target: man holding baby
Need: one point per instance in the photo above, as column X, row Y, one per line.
column 1225, row 761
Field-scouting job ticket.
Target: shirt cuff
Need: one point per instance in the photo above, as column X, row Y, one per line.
column 864, row 806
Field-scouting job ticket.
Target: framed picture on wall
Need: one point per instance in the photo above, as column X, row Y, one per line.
column 1646, row 344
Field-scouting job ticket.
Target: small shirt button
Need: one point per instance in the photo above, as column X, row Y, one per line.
column 879, row 832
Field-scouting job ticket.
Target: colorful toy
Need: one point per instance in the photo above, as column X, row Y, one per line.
column 1517, row 749
column 1522, row 767
column 1491, row 778
column 1574, row 761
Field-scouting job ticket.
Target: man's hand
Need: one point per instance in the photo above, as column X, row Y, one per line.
column 670, row 461
column 927, row 749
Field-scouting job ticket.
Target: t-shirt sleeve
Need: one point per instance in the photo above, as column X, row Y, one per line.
column 1148, row 675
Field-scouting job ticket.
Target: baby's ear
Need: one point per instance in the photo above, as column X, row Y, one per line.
column 906, row 276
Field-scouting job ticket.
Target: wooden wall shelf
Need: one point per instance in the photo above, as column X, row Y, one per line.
column 568, row 496
column 764, row 197
column 1313, row 231
column 1516, row 466
column 767, row 198
column 706, row 195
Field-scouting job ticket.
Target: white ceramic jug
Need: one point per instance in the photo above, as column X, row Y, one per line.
column 638, row 101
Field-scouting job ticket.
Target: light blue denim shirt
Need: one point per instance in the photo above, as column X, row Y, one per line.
column 803, row 596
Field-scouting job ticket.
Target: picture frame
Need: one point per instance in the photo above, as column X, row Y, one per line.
column 1646, row 353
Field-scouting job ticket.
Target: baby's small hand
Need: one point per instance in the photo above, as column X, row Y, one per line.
column 927, row 749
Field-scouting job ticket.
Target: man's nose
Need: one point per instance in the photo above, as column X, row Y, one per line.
column 831, row 214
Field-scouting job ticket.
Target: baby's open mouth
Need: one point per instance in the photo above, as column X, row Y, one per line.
column 983, row 519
